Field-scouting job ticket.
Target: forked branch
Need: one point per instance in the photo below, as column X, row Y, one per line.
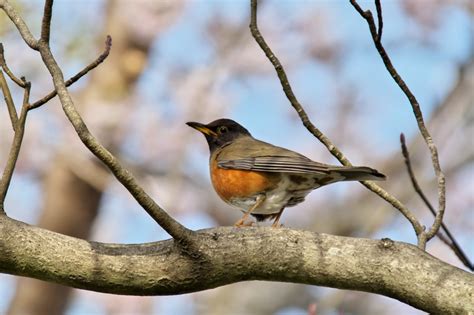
column 377, row 39
column 315, row 131
column 80, row 74
column 181, row 234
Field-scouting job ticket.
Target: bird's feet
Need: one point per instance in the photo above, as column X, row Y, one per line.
column 277, row 225
column 242, row 223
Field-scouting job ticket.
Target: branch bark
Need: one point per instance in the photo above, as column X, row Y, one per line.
column 19, row 24
column 228, row 255
column 46, row 23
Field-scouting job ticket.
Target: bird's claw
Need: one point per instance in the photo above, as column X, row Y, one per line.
column 242, row 223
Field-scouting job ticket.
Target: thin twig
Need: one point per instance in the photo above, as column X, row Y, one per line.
column 315, row 131
column 5, row 68
column 8, row 100
column 92, row 65
column 456, row 249
column 46, row 23
column 378, row 7
column 416, row 186
column 367, row 15
column 452, row 243
column 15, row 148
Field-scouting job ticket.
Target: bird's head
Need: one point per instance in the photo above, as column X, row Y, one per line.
column 220, row 132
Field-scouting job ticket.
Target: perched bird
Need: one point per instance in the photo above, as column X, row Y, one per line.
column 261, row 179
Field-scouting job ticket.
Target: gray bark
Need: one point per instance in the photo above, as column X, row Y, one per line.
column 227, row 255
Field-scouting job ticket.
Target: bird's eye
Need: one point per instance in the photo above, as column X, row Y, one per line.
column 222, row 129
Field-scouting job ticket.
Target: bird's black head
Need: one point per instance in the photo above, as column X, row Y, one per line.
column 220, row 132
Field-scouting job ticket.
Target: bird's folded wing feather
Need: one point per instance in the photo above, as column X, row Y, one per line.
column 255, row 155
column 274, row 164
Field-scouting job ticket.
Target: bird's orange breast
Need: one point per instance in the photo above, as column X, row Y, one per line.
column 230, row 183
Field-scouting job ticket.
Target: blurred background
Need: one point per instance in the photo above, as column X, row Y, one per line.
column 177, row 61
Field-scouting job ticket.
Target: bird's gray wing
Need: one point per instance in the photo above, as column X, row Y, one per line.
column 247, row 153
column 254, row 155
column 285, row 164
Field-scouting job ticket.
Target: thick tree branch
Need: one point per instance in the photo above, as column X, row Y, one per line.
column 376, row 36
column 229, row 255
column 315, row 131
column 80, row 74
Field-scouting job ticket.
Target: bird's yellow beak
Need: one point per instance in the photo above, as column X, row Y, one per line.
column 202, row 128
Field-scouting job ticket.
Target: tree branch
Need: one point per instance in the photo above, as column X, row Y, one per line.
column 376, row 36
column 229, row 255
column 92, row 65
column 20, row 24
column 453, row 244
column 315, row 131
column 46, row 23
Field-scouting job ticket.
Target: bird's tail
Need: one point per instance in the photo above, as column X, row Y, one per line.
column 360, row 173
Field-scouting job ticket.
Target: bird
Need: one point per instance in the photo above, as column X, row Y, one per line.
column 262, row 179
